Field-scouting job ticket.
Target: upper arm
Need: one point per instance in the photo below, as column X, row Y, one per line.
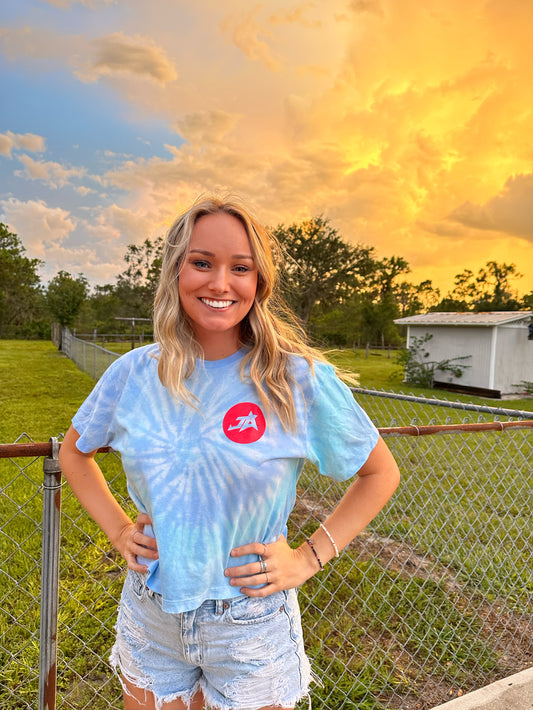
column 69, row 448
column 380, row 461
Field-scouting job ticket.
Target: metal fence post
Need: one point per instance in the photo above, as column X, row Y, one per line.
column 50, row 578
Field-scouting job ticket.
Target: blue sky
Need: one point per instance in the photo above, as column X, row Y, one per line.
column 409, row 125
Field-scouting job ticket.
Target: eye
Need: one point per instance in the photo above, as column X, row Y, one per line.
column 200, row 264
column 241, row 269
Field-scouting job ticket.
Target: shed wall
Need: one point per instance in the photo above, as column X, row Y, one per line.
column 514, row 357
column 513, row 361
column 457, row 341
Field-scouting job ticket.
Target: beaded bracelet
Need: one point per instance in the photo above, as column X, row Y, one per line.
column 324, row 528
column 315, row 553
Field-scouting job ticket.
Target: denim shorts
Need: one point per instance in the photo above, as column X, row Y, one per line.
column 242, row 653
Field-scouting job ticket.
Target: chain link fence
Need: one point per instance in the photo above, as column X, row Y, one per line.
column 89, row 357
column 434, row 599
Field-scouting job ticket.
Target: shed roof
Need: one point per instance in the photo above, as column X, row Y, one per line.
column 488, row 318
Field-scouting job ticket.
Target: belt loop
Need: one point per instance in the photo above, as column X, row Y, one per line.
column 219, row 606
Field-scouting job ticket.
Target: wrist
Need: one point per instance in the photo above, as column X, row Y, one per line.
column 119, row 536
column 309, row 560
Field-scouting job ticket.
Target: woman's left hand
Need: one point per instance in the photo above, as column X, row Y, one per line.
column 279, row 567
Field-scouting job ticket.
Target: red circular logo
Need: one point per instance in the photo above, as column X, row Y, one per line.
column 244, row 423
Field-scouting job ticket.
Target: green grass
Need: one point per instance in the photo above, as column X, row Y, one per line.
column 371, row 630
column 379, row 371
column 40, row 390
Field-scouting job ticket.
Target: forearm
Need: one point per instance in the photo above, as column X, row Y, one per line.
column 364, row 499
column 90, row 488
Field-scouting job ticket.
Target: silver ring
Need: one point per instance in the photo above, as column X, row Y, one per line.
column 262, row 566
column 266, row 575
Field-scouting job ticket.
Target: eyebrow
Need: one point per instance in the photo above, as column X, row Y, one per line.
column 210, row 253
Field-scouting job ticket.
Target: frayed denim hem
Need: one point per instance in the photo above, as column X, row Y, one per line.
column 212, row 704
column 146, row 684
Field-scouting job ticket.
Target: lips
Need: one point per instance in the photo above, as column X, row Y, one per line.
column 216, row 304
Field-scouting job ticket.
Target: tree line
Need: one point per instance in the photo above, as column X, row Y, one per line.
column 343, row 294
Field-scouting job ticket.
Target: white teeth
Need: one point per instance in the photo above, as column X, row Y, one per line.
column 216, row 304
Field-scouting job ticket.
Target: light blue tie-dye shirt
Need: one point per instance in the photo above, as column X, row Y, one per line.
column 221, row 475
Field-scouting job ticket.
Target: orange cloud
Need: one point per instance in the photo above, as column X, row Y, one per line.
column 134, row 55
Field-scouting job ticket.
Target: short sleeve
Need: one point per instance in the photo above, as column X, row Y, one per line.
column 94, row 420
column 340, row 434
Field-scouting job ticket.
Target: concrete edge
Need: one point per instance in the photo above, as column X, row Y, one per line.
column 512, row 693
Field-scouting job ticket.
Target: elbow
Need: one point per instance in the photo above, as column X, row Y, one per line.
column 395, row 478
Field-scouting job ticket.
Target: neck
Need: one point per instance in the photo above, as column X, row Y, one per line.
column 220, row 347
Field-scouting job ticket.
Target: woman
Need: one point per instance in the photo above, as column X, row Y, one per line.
column 214, row 423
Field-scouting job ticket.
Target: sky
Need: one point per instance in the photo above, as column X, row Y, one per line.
column 407, row 124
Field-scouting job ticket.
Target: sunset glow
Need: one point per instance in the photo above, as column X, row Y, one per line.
column 408, row 124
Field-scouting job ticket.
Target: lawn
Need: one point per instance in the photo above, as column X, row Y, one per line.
column 380, row 370
column 379, row 631
column 40, row 390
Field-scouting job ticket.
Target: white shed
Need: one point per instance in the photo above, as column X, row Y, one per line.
column 500, row 344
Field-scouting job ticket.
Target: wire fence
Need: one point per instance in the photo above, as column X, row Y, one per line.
column 89, row 357
column 434, row 599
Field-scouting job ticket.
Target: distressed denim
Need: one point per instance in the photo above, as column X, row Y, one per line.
column 242, row 653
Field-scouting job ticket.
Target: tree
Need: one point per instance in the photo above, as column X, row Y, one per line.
column 496, row 291
column 387, row 270
column 490, row 290
column 416, row 298
column 65, row 296
column 527, row 302
column 137, row 285
column 321, row 269
column 21, row 298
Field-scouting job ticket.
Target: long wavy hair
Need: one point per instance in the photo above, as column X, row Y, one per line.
column 269, row 331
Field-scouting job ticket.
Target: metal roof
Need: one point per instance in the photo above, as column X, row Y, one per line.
column 488, row 318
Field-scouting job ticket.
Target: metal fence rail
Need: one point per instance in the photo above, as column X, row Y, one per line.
column 432, row 600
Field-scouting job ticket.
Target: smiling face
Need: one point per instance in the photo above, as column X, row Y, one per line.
column 217, row 283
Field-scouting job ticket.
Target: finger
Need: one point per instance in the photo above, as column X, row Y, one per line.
column 262, row 592
column 145, row 541
column 139, row 539
column 243, row 570
column 136, row 567
column 253, row 548
column 253, row 579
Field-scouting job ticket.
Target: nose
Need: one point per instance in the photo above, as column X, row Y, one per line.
column 219, row 280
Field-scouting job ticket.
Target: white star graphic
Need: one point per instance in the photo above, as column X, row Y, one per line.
column 245, row 422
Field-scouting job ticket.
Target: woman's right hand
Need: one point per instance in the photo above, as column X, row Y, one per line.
column 133, row 542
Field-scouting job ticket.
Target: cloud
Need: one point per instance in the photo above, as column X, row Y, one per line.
column 367, row 117
column 118, row 53
column 297, row 15
column 509, row 212
column 21, row 141
column 113, row 54
column 443, row 228
column 373, row 7
column 206, row 126
column 122, row 226
column 54, row 174
column 38, row 226
column 247, row 34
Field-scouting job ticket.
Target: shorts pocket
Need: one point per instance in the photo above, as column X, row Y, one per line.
column 137, row 584
column 249, row 610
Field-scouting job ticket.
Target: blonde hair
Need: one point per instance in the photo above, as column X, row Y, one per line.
column 269, row 330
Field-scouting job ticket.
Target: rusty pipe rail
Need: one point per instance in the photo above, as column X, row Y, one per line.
column 46, row 448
